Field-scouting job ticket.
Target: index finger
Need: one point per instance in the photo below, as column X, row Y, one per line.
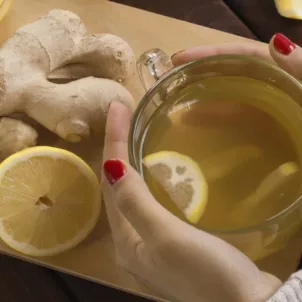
column 117, row 128
column 239, row 48
column 129, row 203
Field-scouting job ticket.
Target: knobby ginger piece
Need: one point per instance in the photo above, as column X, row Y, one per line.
column 15, row 135
column 63, row 78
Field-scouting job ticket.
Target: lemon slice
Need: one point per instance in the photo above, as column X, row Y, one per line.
column 289, row 8
column 273, row 187
column 49, row 201
column 182, row 179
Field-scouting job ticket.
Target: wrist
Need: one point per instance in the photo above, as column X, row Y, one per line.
column 272, row 285
column 261, row 291
column 290, row 291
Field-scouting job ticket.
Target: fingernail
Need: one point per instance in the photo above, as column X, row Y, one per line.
column 283, row 45
column 114, row 170
column 177, row 53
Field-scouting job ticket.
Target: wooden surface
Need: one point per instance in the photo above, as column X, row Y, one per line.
column 94, row 258
column 210, row 13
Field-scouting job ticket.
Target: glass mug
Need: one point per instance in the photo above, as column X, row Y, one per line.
column 162, row 83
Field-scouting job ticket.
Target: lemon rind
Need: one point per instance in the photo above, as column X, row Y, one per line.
column 196, row 208
column 289, row 9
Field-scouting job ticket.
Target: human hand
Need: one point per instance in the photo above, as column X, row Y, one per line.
column 176, row 259
column 280, row 50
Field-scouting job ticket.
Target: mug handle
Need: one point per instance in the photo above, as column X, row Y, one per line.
column 151, row 65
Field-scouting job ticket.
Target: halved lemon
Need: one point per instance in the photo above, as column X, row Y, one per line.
column 289, row 8
column 50, row 201
column 182, row 179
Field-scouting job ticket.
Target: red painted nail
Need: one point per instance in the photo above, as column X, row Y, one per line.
column 283, row 45
column 114, row 170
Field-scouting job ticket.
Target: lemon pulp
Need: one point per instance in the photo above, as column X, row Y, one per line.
column 49, row 201
column 182, row 179
column 289, row 8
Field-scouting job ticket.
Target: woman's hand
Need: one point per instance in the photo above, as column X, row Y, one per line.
column 176, row 259
column 281, row 50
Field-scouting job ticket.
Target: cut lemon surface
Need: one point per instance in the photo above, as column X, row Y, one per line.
column 182, row 179
column 50, row 201
column 289, row 8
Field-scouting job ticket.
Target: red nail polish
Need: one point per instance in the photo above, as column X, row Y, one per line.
column 114, row 170
column 283, row 45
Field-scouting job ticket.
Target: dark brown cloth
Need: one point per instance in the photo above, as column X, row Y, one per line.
column 263, row 19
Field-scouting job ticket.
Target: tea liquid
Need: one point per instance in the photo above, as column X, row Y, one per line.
column 235, row 144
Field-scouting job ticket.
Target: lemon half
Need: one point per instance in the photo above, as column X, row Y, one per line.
column 50, row 200
column 289, row 8
column 182, row 179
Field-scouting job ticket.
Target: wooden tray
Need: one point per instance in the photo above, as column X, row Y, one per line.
column 94, row 259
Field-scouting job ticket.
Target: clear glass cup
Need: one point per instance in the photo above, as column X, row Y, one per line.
column 161, row 80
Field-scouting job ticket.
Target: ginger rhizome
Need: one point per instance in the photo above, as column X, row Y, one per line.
column 60, row 76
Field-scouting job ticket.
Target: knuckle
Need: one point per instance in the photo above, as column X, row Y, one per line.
column 138, row 250
column 125, row 202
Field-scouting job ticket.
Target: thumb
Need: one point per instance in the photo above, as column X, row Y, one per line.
column 135, row 201
column 287, row 55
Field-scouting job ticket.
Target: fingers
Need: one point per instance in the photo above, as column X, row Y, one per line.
column 135, row 201
column 240, row 48
column 130, row 206
column 117, row 129
column 221, row 112
column 287, row 54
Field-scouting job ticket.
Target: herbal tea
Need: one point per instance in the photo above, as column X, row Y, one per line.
column 242, row 163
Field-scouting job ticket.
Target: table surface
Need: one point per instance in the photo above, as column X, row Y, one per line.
column 22, row 281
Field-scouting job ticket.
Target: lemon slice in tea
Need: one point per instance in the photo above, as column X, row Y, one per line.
column 182, row 179
column 49, row 201
column 273, row 187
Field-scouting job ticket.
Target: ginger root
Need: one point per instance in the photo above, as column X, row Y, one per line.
column 15, row 135
column 56, row 49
